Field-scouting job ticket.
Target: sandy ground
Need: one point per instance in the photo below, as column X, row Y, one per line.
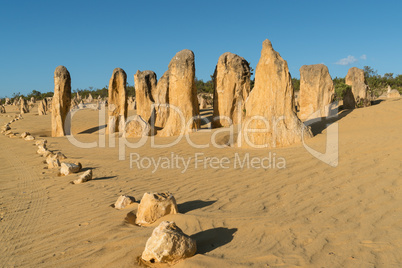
column 307, row 214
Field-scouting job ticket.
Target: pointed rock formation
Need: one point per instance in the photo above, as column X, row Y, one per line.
column 42, row 107
column 316, row 91
column 130, row 103
column 183, row 104
column 61, row 101
column 231, row 89
column 24, row 106
column 117, row 101
column 271, row 119
column 89, row 99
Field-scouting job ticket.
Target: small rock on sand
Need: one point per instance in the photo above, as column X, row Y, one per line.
column 86, row 176
column 68, row 168
column 123, row 201
column 168, row 244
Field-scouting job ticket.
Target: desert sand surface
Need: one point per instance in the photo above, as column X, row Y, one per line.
column 307, row 214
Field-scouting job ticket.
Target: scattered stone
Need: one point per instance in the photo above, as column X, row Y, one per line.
column 86, row 176
column 168, row 244
column 154, row 206
column 117, row 101
column 271, row 119
column 61, row 101
column 5, row 127
column 182, row 96
column 68, row 168
column 60, row 156
column 316, row 91
column 123, row 201
column 7, row 101
column 41, row 142
column 52, row 162
column 29, row 138
column 43, row 151
column 24, row 134
column 2, row 109
column 231, row 89
column 137, row 127
column 145, row 86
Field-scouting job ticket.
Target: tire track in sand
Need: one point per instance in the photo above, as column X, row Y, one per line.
column 24, row 209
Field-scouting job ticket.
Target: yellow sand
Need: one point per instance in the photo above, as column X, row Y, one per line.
column 307, row 214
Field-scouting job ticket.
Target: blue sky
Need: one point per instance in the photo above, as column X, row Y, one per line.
column 91, row 38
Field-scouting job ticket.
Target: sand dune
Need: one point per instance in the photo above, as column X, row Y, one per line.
column 307, row 214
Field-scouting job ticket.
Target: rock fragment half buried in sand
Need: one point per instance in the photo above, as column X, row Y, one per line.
column 40, row 142
column 25, row 134
column 123, row 201
column 68, row 168
column 43, row 151
column 29, row 138
column 86, row 176
column 168, row 244
column 154, row 206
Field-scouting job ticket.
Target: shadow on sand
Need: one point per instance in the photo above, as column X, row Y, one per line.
column 92, row 130
column 104, row 178
column 192, row 205
column 211, row 239
column 318, row 125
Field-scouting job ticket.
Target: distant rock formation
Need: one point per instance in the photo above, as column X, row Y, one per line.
column 145, row 85
column 42, row 107
column 24, row 106
column 316, row 91
column 349, row 101
column 161, row 98
column 61, row 101
column 231, row 89
column 355, row 79
column 117, row 101
column 393, row 93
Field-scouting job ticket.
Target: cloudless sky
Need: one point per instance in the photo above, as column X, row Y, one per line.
column 91, row 38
